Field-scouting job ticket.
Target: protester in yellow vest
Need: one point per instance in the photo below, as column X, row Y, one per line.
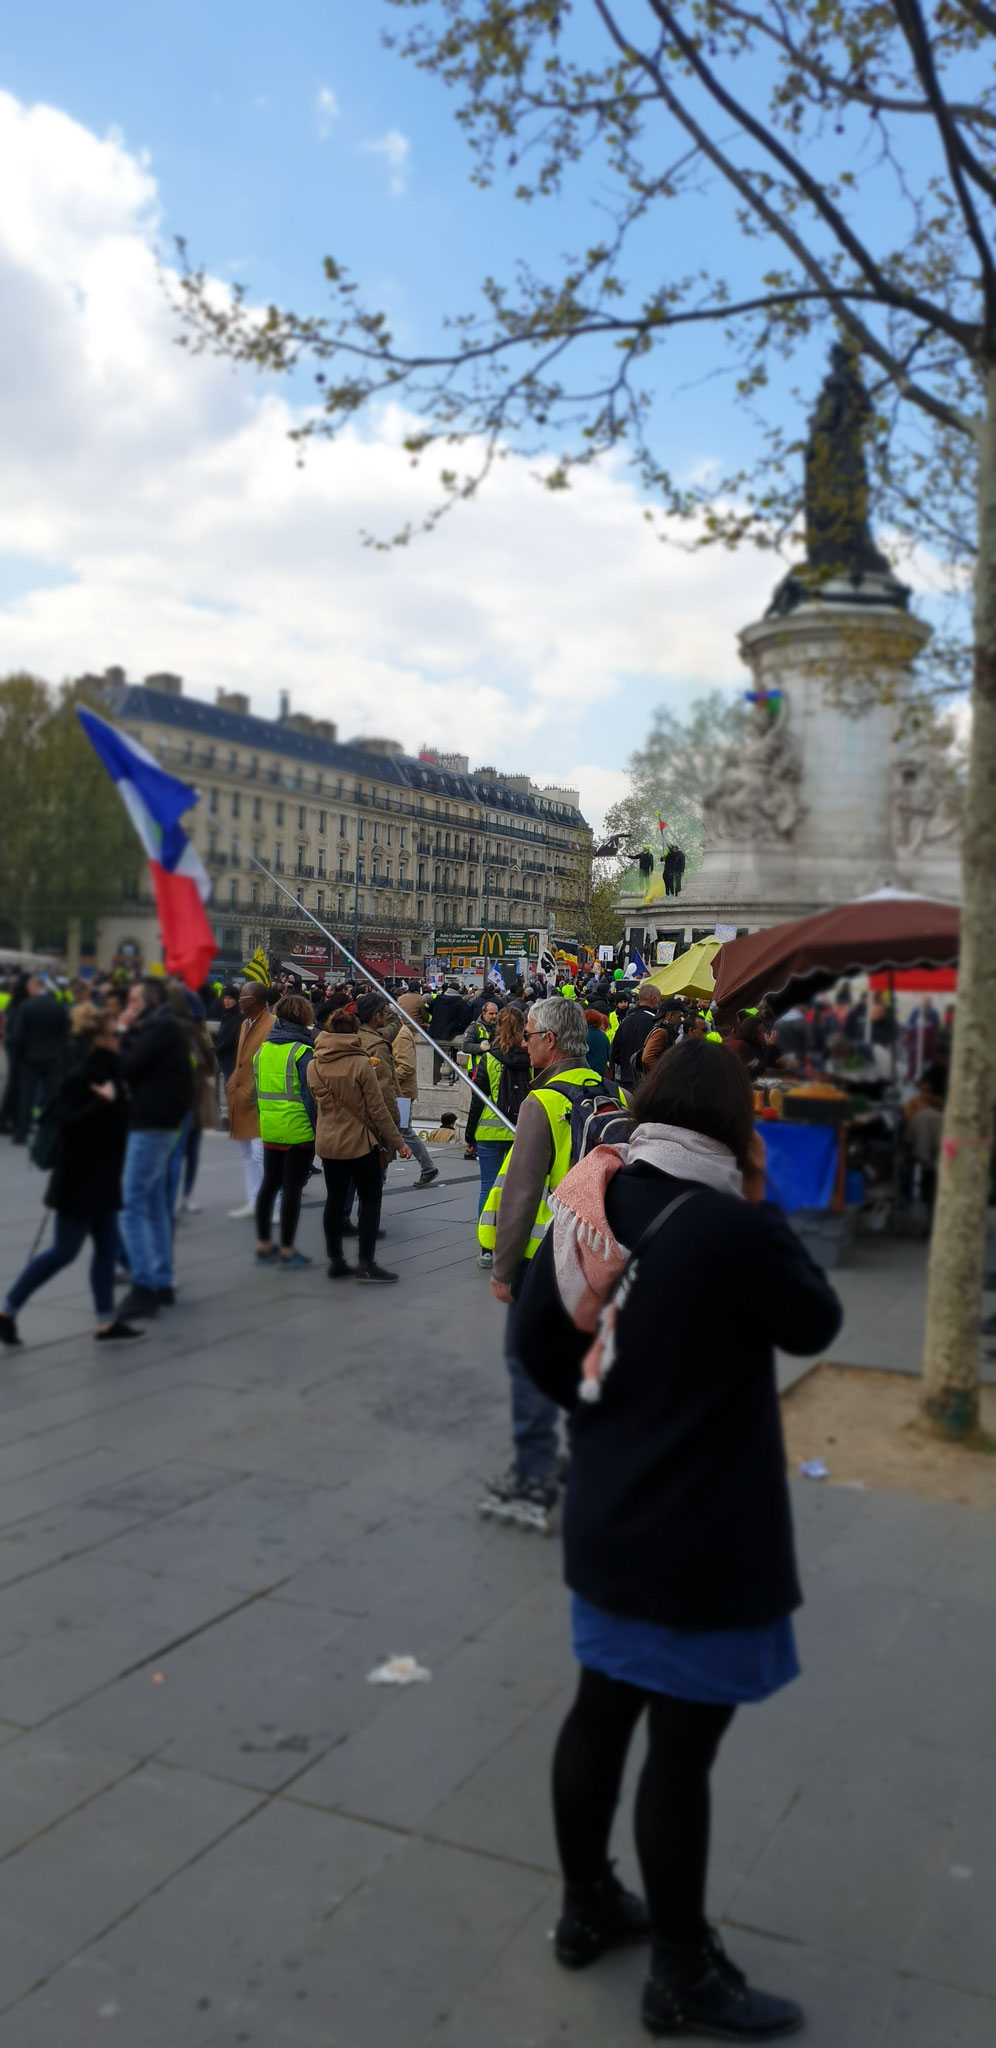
column 512, row 1226
column 287, row 1116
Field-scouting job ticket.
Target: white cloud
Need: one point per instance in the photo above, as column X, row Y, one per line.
column 395, row 149
column 326, row 111
column 155, row 517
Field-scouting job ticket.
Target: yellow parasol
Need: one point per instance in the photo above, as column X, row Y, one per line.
column 691, row 975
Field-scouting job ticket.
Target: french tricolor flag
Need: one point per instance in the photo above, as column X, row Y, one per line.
column 155, row 802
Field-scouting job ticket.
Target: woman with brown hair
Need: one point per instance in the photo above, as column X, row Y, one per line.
column 677, row 1522
column 85, row 1184
column 353, row 1124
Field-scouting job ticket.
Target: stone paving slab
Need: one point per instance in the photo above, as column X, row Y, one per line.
column 213, row 1831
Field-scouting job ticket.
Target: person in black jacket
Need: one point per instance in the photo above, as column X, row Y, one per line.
column 37, row 1036
column 677, row 1525
column 85, row 1185
column 451, row 1014
column 229, row 1024
column 635, row 1029
column 156, row 1062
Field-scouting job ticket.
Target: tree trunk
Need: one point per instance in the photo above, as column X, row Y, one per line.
column 951, row 1348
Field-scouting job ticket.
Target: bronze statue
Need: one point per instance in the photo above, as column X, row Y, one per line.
column 839, row 544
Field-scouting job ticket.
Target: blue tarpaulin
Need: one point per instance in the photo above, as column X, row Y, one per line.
column 802, row 1164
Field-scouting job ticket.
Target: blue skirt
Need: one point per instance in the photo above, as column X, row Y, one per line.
column 724, row 1667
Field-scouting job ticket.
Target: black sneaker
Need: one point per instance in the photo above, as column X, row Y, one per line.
column 118, row 1332
column 8, row 1332
column 139, row 1302
column 426, row 1177
column 372, row 1274
column 531, row 1503
column 596, row 1917
column 695, row 1989
column 338, row 1270
column 166, row 1297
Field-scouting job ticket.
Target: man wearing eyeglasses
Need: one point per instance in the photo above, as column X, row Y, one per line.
column 512, row 1226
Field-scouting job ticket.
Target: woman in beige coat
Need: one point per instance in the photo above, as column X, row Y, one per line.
column 353, row 1123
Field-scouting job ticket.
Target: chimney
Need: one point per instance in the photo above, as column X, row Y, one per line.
column 167, row 685
column 284, row 711
column 232, row 700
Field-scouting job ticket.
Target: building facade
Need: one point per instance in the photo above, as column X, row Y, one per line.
column 384, row 848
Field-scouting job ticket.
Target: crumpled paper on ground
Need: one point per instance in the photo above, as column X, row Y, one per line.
column 399, row 1671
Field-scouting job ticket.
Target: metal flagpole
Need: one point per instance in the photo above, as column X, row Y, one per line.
column 412, row 1022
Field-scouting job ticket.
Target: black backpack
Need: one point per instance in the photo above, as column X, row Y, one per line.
column 513, row 1087
column 598, row 1115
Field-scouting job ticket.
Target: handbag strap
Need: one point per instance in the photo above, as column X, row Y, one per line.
column 641, row 1244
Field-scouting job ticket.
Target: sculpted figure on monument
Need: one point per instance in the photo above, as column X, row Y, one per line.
column 757, row 795
column 925, row 801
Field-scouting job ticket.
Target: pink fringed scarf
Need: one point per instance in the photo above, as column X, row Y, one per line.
column 587, row 1256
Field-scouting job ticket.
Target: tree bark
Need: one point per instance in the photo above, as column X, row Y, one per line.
column 951, row 1349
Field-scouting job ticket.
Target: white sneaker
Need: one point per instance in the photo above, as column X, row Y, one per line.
column 240, row 1215
column 190, row 1208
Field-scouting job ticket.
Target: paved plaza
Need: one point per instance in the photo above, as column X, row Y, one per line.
column 214, row 1831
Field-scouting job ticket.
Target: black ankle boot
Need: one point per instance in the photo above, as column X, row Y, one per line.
column 693, row 1988
column 596, row 1917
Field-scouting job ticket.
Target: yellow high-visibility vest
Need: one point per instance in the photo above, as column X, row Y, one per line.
column 558, row 1110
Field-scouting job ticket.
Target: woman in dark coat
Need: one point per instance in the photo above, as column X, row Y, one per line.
column 85, row 1184
column 677, row 1522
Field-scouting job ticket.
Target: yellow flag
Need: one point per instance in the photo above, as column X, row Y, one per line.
column 258, row 968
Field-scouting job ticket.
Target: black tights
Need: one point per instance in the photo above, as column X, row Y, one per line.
column 672, row 1800
column 285, row 1173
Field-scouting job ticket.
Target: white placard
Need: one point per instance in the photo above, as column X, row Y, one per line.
column 665, row 952
column 606, row 953
column 724, row 932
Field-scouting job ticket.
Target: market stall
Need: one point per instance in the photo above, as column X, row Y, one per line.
column 832, row 1145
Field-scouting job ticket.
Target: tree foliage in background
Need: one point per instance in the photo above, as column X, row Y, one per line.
column 679, row 760
column 854, row 142
column 67, row 847
column 586, row 907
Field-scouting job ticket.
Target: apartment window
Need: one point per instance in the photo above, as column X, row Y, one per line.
column 280, row 814
column 254, row 892
column 321, row 902
column 342, row 828
column 402, row 840
column 421, row 874
column 257, row 809
column 300, row 896
column 300, row 856
column 236, row 802
column 256, row 844
column 321, row 861
column 420, row 911
column 376, row 831
column 361, row 828
column 390, row 835
column 342, row 903
column 278, row 856
column 233, row 762
column 233, row 891
column 212, row 844
column 254, row 768
column 318, row 785
column 300, row 817
column 213, row 802
column 389, row 869
column 323, row 819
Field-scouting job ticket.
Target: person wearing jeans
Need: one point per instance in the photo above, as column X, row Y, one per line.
column 85, row 1185
column 155, row 1060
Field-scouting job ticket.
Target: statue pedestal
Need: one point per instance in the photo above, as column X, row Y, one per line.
column 807, row 815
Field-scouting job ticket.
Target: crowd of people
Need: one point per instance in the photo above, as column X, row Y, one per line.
column 620, row 1169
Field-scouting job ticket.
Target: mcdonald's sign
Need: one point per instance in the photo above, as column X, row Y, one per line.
column 480, row 943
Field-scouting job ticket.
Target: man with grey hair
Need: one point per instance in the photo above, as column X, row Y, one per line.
column 512, row 1226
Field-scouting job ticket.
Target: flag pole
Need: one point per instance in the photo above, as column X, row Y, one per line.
column 412, row 1022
